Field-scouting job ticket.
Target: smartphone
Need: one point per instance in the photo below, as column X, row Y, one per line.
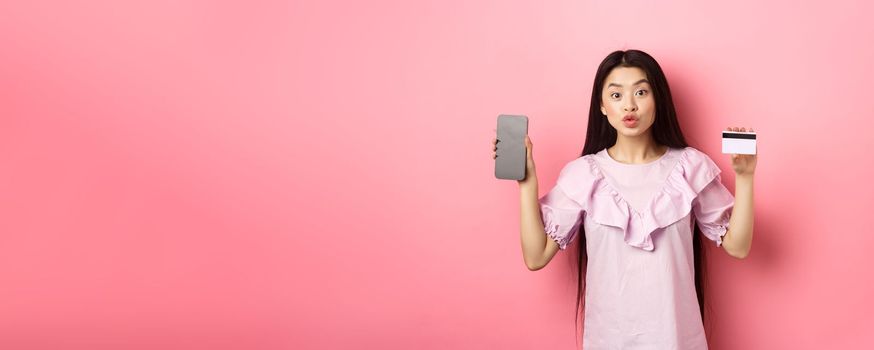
column 512, row 153
column 738, row 142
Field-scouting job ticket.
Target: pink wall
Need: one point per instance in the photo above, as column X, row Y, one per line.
column 267, row 175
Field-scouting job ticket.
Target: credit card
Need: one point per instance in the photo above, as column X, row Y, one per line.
column 738, row 142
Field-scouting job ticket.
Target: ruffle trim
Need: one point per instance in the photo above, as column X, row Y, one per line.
column 693, row 171
column 721, row 230
column 552, row 233
column 716, row 231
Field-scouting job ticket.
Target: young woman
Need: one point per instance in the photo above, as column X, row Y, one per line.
column 638, row 202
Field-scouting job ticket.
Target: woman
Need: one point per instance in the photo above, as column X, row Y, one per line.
column 638, row 202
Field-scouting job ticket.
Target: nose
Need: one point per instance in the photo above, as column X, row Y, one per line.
column 630, row 107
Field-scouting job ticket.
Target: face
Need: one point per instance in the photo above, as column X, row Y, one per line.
column 627, row 92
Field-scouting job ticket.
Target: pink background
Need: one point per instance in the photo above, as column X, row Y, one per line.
column 273, row 175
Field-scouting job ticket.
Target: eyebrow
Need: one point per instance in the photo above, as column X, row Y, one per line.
column 638, row 82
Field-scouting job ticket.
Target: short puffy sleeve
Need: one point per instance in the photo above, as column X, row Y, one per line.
column 560, row 211
column 561, row 216
column 712, row 209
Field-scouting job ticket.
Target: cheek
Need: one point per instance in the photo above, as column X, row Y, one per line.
column 648, row 105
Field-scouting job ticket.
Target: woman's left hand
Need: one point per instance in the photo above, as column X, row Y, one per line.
column 743, row 164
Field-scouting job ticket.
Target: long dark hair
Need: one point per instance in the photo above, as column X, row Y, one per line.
column 665, row 130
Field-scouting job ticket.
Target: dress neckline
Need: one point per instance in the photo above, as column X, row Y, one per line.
column 607, row 156
column 614, row 190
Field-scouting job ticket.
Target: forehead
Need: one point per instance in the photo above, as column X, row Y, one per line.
column 625, row 76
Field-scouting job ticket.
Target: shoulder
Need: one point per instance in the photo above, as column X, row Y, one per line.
column 578, row 168
column 694, row 152
column 697, row 169
column 696, row 160
column 579, row 175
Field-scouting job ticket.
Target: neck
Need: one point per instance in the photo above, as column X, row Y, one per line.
column 636, row 149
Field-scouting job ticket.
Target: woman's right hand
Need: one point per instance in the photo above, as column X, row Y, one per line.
column 530, row 172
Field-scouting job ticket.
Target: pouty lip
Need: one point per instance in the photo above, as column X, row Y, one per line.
column 629, row 116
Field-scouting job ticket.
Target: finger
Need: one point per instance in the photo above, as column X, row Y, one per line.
column 751, row 129
column 743, row 129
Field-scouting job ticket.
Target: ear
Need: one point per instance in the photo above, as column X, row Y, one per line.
column 603, row 110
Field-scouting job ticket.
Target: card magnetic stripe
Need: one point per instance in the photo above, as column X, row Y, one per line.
column 727, row 135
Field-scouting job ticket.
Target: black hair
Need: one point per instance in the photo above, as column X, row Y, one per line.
column 665, row 131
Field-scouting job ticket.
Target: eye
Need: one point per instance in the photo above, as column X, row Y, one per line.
column 614, row 95
column 641, row 92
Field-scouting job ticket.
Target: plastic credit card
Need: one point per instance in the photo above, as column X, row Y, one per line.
column 738, row 142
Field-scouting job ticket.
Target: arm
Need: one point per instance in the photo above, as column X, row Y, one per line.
column 738, row 240
column 537, row 249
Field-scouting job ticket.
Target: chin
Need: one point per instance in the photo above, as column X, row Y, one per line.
column 632, row 132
